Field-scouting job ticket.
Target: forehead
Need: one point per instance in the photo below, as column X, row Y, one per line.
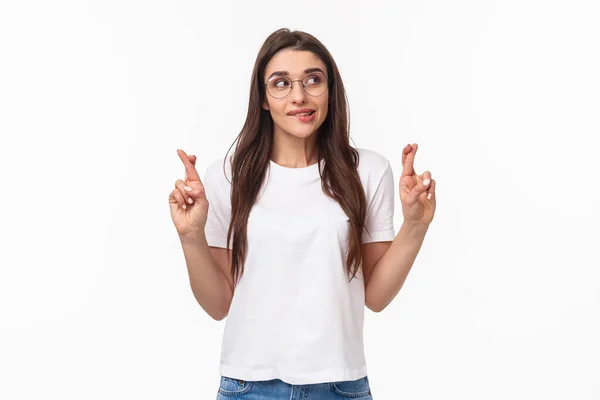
column 294, row 62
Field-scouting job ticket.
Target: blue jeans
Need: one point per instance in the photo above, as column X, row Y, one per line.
column 276, row 389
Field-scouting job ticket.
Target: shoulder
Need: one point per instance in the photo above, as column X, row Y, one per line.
column 376, row 176
column 371, row 164
column 220, row 168
column 220, row 171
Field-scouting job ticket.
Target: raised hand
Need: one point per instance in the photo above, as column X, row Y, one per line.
column 188, row 203
column 417, row 192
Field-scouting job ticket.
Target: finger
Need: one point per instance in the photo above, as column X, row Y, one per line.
column 424, row 177
column 192, row 159
column 431, row 190
column 420, row 188
column 408, row 165
column 178, row 198
column 185, row 193
column 195, row 190
column 190, row 171
column 405, row 151
column 425, row 181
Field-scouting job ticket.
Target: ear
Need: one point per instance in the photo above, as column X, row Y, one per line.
column 265, row 105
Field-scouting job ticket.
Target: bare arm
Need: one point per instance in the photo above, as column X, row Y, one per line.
column 209, row 275
column 387, row 264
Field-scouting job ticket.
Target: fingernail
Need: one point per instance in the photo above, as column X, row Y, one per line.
column 184, row 206
column 187, row 188
column 426, row 182
column 429, row 196
column 190, row 200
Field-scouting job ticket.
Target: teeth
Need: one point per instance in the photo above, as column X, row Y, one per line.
column 305, row 114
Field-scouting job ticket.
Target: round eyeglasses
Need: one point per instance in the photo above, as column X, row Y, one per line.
column 314, row 84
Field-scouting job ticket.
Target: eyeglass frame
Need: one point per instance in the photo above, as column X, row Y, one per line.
column 329, row 80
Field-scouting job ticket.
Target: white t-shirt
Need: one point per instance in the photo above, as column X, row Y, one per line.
column 294, row 315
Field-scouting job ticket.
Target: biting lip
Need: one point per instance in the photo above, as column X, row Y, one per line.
column 301, row 111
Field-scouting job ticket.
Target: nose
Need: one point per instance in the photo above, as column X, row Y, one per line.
column 298, row 95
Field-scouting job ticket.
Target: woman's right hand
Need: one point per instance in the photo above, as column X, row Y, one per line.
column 189, row 206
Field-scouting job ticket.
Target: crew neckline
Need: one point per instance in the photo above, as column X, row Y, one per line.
column 282, row 168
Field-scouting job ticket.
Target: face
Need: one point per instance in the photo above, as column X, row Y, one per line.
column 293, row 64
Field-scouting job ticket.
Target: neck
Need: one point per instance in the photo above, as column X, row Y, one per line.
column 294, row 152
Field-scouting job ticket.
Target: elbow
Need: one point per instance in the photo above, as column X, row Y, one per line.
column 219, row 317
column 374, row 307
column 221, row 313
column 218, row 314
column 369, row 303
column 377, row 310
column 216, row 308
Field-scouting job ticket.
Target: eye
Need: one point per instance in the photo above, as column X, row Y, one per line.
column 280, row 83
column 313, row 80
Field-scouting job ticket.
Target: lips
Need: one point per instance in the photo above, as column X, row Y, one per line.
column 301, row 111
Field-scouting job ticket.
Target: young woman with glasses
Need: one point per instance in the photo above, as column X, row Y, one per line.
column 292, row 235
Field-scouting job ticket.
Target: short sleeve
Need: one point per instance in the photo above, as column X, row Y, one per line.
column 219, row 215
column 380, row 209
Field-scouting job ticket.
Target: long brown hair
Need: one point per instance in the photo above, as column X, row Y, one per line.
column 250, row 161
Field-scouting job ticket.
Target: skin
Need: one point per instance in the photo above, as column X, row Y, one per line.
column 385, row 276
column 294, row 142
column 294, row 146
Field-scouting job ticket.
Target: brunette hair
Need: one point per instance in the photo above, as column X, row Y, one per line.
column 250, row 161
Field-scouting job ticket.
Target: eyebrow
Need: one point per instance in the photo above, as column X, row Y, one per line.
column 286, row 73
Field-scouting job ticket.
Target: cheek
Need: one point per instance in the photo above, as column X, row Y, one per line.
column 275, row 110
column 324, row 108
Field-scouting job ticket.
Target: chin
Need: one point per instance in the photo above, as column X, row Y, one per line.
column 303, row 133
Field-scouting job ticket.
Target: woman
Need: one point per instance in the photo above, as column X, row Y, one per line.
column 299, row 234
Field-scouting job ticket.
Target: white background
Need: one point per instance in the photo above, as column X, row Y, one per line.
column 503, row 300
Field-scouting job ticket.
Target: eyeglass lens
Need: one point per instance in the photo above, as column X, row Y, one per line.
column 314, row 84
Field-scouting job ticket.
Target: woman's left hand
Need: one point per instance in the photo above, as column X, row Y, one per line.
column 417, row 192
